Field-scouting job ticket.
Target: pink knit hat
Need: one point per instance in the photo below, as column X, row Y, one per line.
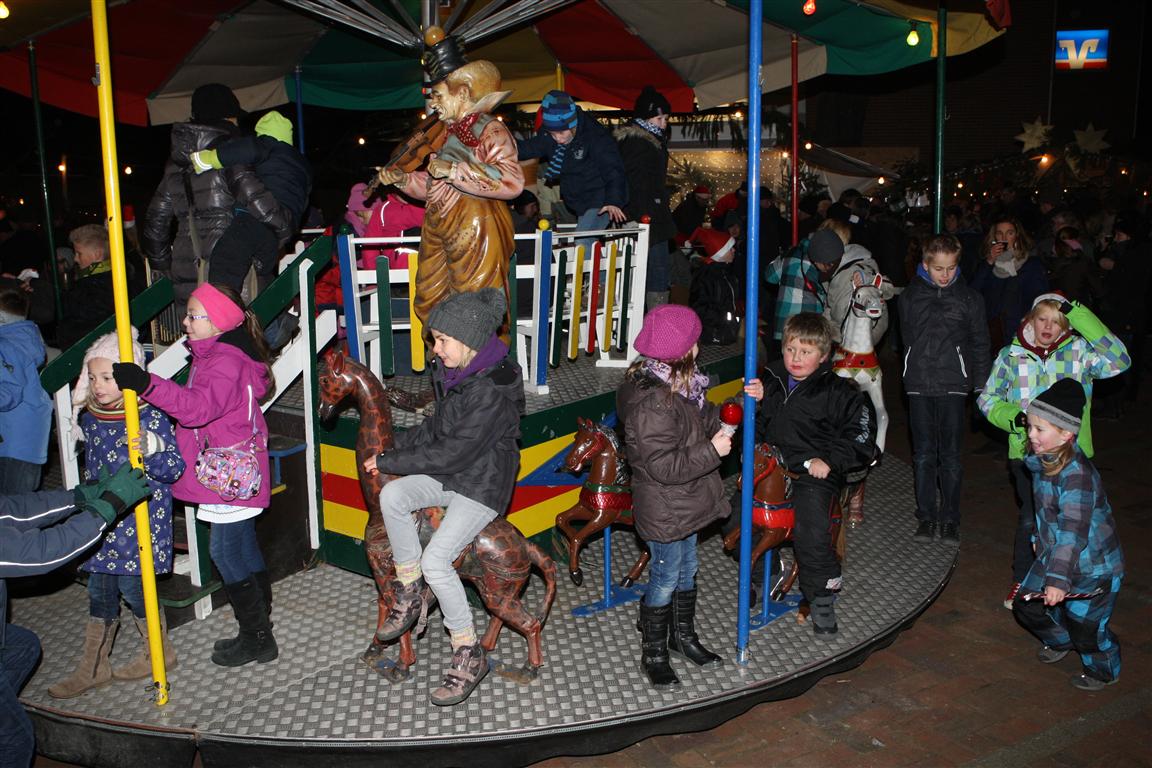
column 356, row 199
column 669, row 332
column 222, row 311
column 107, row 347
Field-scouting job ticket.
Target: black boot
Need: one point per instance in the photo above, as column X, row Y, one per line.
column 256, row 641
column 824, row 615
column 683, row 639
column 264, row 581
column 654, row 659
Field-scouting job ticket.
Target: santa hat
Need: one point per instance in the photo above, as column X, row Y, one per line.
column 108, row 347
column 719, row 246
column 129, row 217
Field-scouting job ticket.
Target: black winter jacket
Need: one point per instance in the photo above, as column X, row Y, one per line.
column 216, row 195
column 646, row 168
column 469, row 443
column 285, row 173
column 38, row 534
column 676, row 485
column 824, row 417
column 593, row 173
column 945, row 337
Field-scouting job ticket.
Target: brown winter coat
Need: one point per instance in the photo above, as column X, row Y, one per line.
column 676, row 485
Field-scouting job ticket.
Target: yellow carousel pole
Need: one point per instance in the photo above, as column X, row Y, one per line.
column 103, row 82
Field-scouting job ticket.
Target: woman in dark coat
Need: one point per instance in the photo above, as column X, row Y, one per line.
column 674, row 442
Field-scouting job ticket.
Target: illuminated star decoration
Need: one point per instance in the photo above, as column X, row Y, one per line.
column 1035, row 135
column 1090, row 140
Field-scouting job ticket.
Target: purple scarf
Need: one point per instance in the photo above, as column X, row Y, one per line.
column 491, row 354
column 697, row 385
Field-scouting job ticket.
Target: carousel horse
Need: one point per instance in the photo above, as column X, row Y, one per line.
column 856, row 361
column 605, row 499
column 498, row 561
column 773, row 515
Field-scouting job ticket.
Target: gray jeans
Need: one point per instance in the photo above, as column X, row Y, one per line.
column 463, row 520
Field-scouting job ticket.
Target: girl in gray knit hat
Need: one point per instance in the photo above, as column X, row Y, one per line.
column 463, row 457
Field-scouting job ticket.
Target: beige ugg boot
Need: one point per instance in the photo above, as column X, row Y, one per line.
column 141, row 665
column 93, row 669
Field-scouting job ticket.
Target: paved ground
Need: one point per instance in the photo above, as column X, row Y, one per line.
column 962, row 686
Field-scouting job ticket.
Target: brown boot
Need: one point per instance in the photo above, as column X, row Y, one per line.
column 141, row 665
column 93, row 669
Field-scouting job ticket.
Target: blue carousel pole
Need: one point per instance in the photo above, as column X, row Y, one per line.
column 752, row 322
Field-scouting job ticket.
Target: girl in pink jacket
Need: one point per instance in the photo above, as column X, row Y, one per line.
column 219, row 407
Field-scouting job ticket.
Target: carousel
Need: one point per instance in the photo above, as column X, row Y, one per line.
column 554, row 583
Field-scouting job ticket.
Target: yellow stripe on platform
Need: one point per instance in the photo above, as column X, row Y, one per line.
column 349, row 521
column 722, row 392
column 533, row 458
column 340, row 461
column 540, row 517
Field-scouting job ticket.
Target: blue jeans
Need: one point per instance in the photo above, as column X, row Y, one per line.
column 657, row 279
column 235, row 551
column 105, row 590
column 18, row 657
column 937, row 426
column 464, row 518
column 18, row 476
column 590, row 219
column 673, row 567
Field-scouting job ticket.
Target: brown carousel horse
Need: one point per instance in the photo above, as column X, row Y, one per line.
column 605, row 499
column 773, row 515
column 498, row 561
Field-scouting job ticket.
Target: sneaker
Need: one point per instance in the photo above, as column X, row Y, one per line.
column 1086, row 683
column 925, row 531
column 469, row 666
column 950, row 533
column 1051, row 655
column 1012, row 595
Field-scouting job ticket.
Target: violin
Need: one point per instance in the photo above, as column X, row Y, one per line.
column 428, row 137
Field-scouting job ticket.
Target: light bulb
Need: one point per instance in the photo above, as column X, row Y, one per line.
column 913, row 38
column 809, row 7
column 361, row 141
column 127, row 170
column 3, row 10
column 881, row 181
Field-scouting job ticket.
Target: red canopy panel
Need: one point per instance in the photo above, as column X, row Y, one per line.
column 596, row 48
column 141, row 60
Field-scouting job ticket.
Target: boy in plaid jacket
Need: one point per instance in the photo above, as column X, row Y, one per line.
column 800, row 274
column 1070, row 591
column 1057, row 340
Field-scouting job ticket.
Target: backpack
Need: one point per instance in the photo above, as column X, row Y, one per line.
column 714, row 294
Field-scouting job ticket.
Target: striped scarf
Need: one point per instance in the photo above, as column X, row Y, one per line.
column 556, row 162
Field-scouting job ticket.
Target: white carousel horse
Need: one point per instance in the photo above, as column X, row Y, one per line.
column 856, row 360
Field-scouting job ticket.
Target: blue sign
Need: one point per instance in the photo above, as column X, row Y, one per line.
column 1082, row 49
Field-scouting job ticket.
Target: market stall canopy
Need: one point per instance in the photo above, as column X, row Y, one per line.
column 364, row 54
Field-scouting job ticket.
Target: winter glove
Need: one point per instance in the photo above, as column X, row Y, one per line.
column 1021, row 420
column 151, row 443
column 131, row 376
column 116, row 492
column 205, row 160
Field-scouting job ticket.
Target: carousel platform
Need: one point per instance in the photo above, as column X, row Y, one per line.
column 319, row 705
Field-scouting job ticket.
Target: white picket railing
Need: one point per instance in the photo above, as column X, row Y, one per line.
column 615, row 272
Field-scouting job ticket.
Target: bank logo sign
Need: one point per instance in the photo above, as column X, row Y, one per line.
column 1082, row 49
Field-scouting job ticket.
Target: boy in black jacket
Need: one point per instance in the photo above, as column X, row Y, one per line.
column 946, row 357
column 287, row 178
column 823, row 426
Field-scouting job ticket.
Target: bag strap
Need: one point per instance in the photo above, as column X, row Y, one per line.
column 194, row 234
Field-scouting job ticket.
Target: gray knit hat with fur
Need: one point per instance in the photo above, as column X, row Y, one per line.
column 470, row 318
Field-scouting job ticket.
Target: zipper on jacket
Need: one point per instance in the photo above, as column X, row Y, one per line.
column 907, row 354
column 959, row 354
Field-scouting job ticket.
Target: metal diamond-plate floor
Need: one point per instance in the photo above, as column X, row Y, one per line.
column 319, row 705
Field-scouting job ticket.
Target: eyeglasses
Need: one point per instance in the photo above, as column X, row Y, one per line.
column 193, row 317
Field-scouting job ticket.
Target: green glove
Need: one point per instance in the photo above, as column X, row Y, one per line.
column 205, row 160
column 116, row 493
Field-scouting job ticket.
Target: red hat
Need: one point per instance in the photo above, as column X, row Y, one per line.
column 128, row 216
column 702, row 189
column 717, row 245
